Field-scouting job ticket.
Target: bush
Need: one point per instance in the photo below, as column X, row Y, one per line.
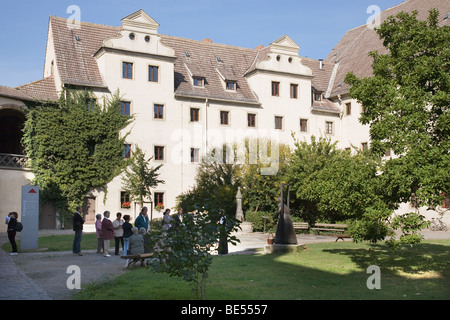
column 256, row 218
column 156, row 224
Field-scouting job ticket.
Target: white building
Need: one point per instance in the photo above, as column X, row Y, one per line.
column 190, row 96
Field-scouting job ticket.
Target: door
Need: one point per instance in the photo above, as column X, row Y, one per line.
column 47, row 216
column 89, row 210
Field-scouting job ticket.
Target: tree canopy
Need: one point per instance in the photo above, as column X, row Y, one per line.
column 406, row 104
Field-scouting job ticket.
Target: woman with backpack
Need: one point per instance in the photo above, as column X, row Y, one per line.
column 12, row 223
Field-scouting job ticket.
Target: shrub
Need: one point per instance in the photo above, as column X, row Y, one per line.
column 257, row 218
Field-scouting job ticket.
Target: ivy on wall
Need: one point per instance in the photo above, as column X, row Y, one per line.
column 75, row 146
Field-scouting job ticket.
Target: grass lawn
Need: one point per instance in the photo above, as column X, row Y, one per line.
column 336, row 270
column 60, row 243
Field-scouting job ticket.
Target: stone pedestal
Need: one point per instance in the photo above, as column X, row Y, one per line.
column 246, row 227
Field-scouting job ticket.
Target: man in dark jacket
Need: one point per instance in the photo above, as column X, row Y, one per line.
column 78, row 222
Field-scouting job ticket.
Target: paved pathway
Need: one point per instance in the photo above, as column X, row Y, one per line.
column 43, row 275
column 15, row 284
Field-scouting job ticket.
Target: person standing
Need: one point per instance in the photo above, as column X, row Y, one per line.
column 127, row 233
column 142, row 219
column 167, row 221
column 107, row 233
column 12, row 221
column 78, row 222
column 118, row 232
column 98, row 232
column 179, row 216
column 223, row 236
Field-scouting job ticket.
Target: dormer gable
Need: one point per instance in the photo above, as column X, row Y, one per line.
column 140, row 21
column 281, row 56
column 138, row 34
column 284, row 45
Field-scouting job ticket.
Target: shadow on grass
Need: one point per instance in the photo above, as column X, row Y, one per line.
column 331, row 271
column 340, row 271
column 420, row 259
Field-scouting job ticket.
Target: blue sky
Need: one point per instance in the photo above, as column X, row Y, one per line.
column 316, row 26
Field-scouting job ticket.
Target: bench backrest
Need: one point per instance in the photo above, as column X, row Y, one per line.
column 330, row 225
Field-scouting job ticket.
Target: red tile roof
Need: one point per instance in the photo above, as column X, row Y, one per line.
column 352, row 51
column 75, row 48
column 40, row 90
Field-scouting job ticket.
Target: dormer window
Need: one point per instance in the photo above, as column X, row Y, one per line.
column 230, row 85
column 227, row 76
column 198, row 77
column 317, row 96
column 198, row 82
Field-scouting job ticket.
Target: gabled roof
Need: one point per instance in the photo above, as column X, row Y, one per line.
column 13, row 93
column 40, row 90
column 75, row 48
column 352, row 51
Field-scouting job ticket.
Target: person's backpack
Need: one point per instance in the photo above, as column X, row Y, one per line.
column 19, row 226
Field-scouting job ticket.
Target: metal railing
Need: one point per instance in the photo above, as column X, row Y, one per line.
column 8, row 160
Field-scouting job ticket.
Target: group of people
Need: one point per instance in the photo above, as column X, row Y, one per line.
column 120, row 230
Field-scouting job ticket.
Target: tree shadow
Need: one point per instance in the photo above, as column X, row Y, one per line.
column 424, row 257
column 418, row 273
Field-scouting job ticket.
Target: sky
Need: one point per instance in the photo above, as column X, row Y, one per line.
column 316, row 26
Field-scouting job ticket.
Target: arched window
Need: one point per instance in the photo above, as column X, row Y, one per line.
column 11, row 126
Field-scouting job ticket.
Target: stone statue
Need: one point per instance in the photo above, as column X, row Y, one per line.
column 285, row 229
column 239, row 213
column 245, row 226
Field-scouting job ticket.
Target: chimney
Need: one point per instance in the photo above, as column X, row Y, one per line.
column 320, row 64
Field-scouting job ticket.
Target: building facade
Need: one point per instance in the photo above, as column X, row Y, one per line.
column 189, row 97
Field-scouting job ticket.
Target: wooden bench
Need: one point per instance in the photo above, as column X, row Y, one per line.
column 132, row 259
column 300, row 225
column 339, row 228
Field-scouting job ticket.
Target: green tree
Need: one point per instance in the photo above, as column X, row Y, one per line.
column 406, row 104
column 185, row 249
column 75, row 146
column 216, row 185
column 332, row 185
column 260, row 191
column 139, row 178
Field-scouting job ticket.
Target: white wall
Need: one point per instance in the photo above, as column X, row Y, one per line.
column 11, row 182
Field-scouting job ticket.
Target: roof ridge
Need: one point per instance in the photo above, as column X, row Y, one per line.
column 32, row 82
column 86, row 22
column 207, row 43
